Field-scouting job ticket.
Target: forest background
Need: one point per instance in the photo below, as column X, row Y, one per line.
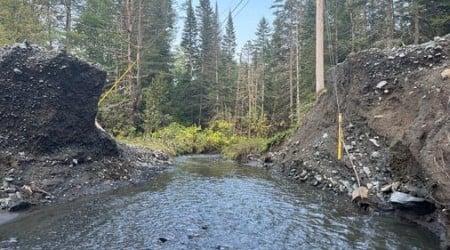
column 202, row 95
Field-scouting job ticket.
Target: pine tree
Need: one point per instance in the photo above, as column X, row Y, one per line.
column 95, row 35
column 207, row 59
column 229, row 40
column 189, row 40
column 262, row 51
column 229, row 74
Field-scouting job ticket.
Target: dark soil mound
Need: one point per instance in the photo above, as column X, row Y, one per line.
column 396, row 110
column 48, row 102
column 50, row 148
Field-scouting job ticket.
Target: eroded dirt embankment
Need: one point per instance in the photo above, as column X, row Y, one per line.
column 396, row 107
column 50, row 148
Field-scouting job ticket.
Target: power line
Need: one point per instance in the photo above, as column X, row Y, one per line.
column 232, row 11
column 241, row 8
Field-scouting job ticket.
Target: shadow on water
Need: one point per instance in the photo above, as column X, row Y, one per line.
column 209, row 203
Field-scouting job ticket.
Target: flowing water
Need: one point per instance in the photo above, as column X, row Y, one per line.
column 207, row 203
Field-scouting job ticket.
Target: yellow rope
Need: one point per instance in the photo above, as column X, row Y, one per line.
column 340, row 135
column 116, row 83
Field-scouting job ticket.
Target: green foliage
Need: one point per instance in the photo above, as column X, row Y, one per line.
column 94, row 34
column 180, row 139
column 114, row 115
column 177, row 139
column 243, row 147
column 255, row 125
column 192, row 139
column 221, row 126
column 156, row 104
column 278, row 138
column 19, row 21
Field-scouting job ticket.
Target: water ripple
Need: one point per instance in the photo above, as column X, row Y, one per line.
column 207, row 204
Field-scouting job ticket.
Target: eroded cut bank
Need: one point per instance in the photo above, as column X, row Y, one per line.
column 50, row 148
column 396, row 110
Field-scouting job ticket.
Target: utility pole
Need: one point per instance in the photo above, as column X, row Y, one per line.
column 319, row 46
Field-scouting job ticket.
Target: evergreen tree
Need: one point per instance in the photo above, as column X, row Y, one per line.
column 229, row 40
column 158, row 34
column 207, row 59
column 262, row 57
column 96, row 37
column 228, row 76
column 19, row 21
column 189, row 40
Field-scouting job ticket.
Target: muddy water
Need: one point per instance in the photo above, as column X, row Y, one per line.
column 205, row 203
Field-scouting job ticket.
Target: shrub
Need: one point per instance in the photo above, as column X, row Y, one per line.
column 243, row 147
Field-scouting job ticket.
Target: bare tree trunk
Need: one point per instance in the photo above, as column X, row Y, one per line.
column 250, row 98
column 129, row 25
column 319, row 46
column 297, row 65
column 416, row 22
column 389, row 23
column 237, row 111
column 49, row 25
column 353, row 32
column 352, row 22
column 336, row 33
column 68, row 7
column 218, row 90
column 263, row 88
column 291, row 80
column 366, row 34
column 138, row 90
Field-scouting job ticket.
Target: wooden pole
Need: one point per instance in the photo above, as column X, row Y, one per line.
column 319, row 46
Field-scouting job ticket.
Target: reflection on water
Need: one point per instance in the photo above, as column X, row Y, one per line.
column 206, row 203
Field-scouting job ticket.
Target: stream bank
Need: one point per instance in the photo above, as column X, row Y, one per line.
column 50, row 148
column 396, row 107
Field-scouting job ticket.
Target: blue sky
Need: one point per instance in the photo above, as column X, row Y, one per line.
column 245, row 17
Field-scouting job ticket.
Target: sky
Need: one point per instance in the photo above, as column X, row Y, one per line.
column 246, row 16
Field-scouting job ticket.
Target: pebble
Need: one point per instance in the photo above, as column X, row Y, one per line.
column 17, row 71
column 4, row 202
column 374, row 142
column 303, row 173
column 9, row 179
column 367, row 171
column 19, row 206
column 381, row 84
column 346, row 184
column 375, row 155
column 319, row 178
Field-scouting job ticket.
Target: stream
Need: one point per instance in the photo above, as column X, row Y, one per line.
column 209, row 203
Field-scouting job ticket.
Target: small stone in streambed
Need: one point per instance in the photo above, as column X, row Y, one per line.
column 193, row 236
column 19, row 206
column 9, row 179
column 162, row 239
column 204, row 227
